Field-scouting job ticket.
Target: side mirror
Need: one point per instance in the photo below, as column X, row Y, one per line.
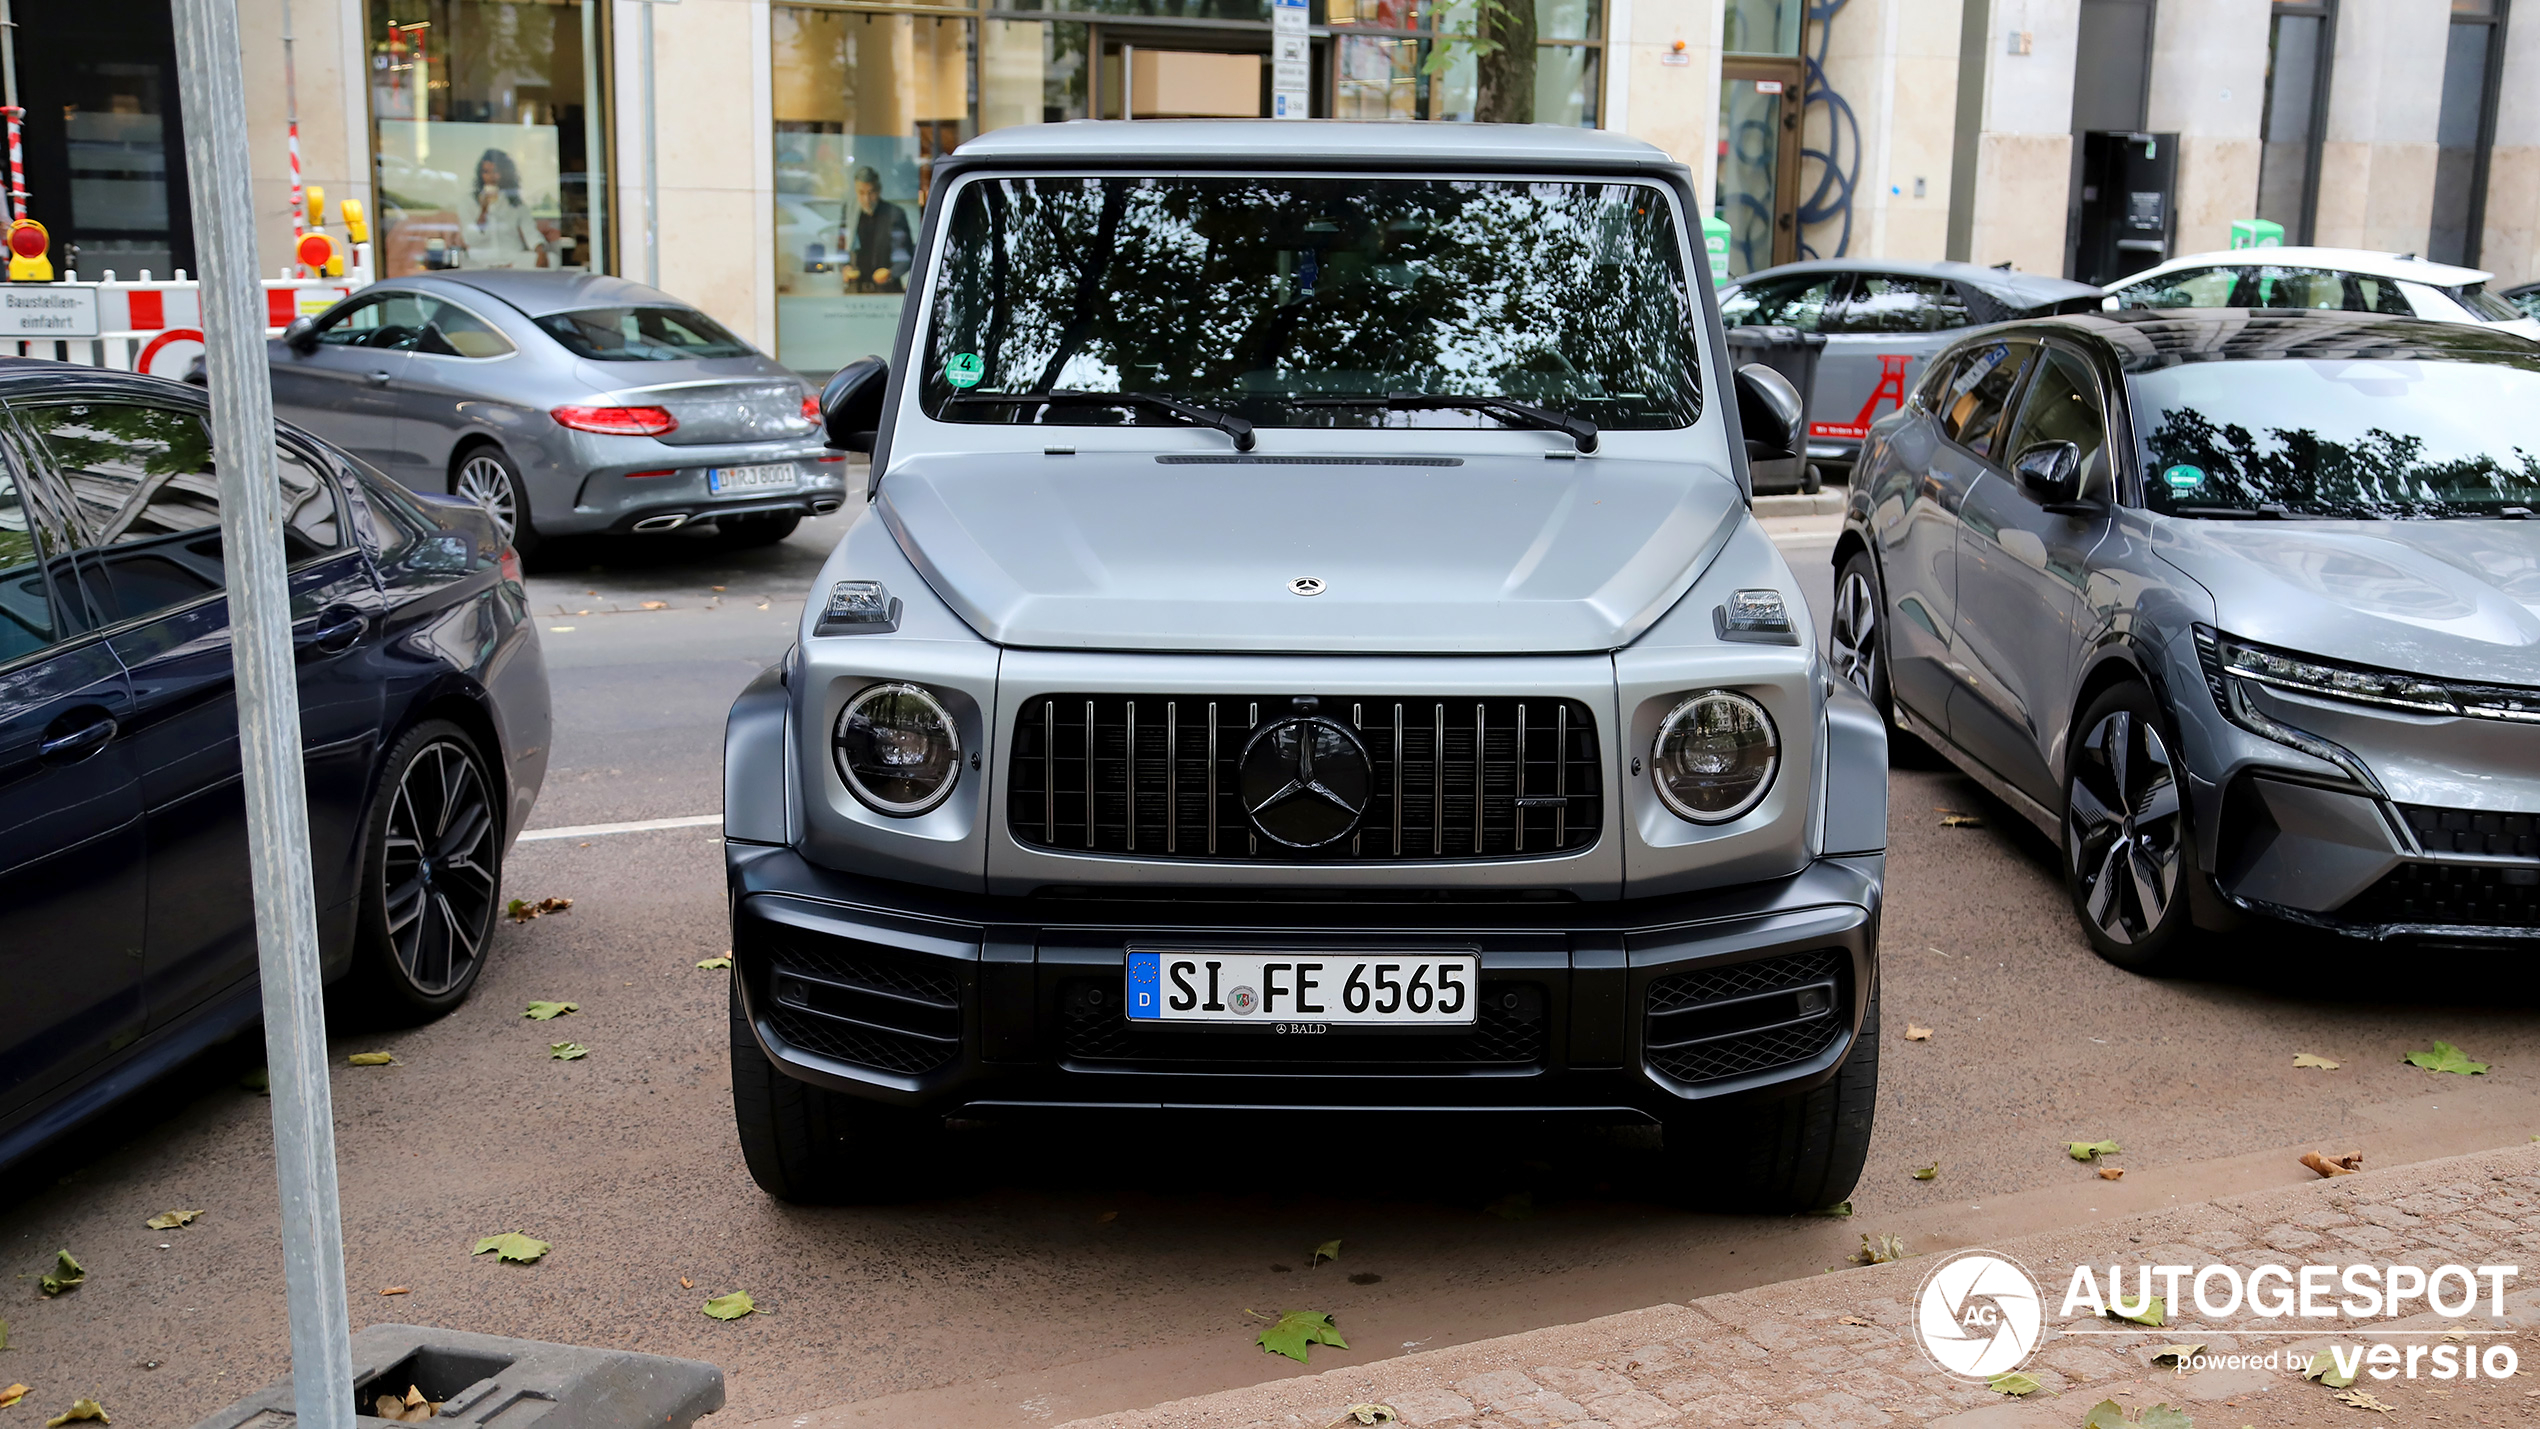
column 2050, row 472
column 300, row 336
column 1769, row 409
column 851, row 404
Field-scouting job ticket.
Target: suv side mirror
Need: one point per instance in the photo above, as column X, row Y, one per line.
column 2050, row 472
column 851, row 404
column 300, row 336
column 1769, row 410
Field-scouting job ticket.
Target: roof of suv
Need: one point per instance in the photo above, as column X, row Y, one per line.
column 2147, row 339
column 1333, row 142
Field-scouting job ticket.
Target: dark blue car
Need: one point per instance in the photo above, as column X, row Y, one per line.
column 127, row 924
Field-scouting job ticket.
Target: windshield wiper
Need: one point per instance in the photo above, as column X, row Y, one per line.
column 2270, row 511
column 1580, row 429
column 1232, row 425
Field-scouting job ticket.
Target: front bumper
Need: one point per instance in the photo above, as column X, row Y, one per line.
column 1622, row 1011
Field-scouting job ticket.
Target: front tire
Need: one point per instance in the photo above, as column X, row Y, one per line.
column 489, row 477
column 2127, row 862
column 432, row 875
column 815, row 1147
column 1858, row 642
column 1787, row 1156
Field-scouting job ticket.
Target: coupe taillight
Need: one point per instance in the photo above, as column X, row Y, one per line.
column 618, row 421
column 811, row 409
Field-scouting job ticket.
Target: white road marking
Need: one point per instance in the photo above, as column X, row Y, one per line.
column 639, row 826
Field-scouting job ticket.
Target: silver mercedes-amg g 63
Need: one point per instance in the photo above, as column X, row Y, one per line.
column 1308, row 649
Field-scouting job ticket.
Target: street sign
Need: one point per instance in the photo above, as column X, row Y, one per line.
column 48, row 310
column 1291, row 60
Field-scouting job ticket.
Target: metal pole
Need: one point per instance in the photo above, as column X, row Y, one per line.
column 291, row 112
column 652, row 164
column 215, row 107
column 16, row 205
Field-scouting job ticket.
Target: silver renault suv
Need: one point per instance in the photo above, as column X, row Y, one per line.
column 1308, row 650
column 2241, row 607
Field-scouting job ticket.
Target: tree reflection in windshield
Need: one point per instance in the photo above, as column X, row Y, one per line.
column 2381, row 441
column 1236, row 293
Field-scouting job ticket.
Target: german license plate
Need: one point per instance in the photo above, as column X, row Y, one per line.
column 1345, row 988
column 769, row 476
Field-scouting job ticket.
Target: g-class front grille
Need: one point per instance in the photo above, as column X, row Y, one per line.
column 1160, row 776
column 893, row 1013
column 1716, row 1023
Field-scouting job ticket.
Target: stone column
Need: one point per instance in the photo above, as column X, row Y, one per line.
column 1675, row 106
column 2377, row 162
column 2209, row 81
column 1896, row 63
column 2024, row 153
column 2509, row 245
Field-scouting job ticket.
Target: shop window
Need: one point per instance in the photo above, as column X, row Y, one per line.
column 1761, row 27
column 487, row 117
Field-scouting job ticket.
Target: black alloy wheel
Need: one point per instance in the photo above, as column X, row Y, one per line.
column 2126, row 857
column 433, row 875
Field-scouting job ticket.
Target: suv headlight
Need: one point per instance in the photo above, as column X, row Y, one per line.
column 1715, row 756
column 897, row 749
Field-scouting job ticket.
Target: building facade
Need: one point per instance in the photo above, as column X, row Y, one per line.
column 766, row 159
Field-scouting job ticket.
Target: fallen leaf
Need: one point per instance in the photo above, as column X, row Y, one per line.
column 732, row 1306
column 2014, row 1383
column 2108, row 1414
column 2323, row 1367
column 1366, row 1414
column 80, row 1409
column 1294, row 1330
column 1917, row 1034
column 521, row 910
column 550, row 1011
column 567, row 1051
column 1840, row 1210
column 397, row 1290
column 170, row 1220
column 371, row 1059
column 1960, row 821
column 687, row 1284
column 2313, row 1059
column 1106, row 1218
column 1857, row 1320
column 2149, row 1314
column 710, row 964
column 1928, row 1172
column 1328, row 1250
column 2178, row 1354
column 66, row 1276
column 512, row 1246
column 12, row 1395
column 2360, row 1400
column 2444, row 1057
column 1879, row 1252
column 260, row 1082
column 4, row 1336
column 717, row 588
column 2091, row 1150
column 2346, row 1165
column 657, row 605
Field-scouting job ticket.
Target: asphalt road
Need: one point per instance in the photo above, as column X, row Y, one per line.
column 1068, row 1270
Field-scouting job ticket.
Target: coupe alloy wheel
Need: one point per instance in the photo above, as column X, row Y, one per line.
column 2124, row 827
column 1856, row 632
column 438, row 867
column 484, row 480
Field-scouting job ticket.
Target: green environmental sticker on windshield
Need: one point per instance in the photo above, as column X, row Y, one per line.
column 963, row 369
column 2180, row 478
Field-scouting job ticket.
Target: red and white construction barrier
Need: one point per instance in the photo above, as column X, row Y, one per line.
column 151, row 325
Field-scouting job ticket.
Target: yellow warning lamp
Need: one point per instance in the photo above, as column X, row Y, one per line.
column 356, row 223
column 28, row 245
column 317, row 206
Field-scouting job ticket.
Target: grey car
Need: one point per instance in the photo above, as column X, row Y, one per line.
column 1880, row 321
column 2240, row 607
column 564, row 403
column 1308, row 650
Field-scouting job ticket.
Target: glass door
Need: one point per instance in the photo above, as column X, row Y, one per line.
column 1756, row 187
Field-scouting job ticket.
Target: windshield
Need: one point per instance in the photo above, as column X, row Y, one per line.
column 2486, row 305
column 1273, row 296
column 2361, row 440
column 642, row 335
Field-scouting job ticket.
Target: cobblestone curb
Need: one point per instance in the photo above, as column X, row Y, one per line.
column 1837, row 1351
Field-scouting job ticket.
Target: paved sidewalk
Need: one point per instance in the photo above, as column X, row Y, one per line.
column 1837, row 1351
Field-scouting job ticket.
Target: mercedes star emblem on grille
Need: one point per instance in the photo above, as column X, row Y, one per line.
column 1304, row 781
column 1306, row 585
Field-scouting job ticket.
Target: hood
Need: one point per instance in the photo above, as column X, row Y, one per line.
column 2454, row 599
column 1136, row 551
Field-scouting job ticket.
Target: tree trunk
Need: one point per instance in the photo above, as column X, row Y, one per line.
column 1504, row 81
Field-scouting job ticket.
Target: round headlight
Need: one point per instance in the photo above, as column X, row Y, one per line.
column 897, row 749
column 1715, row 756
